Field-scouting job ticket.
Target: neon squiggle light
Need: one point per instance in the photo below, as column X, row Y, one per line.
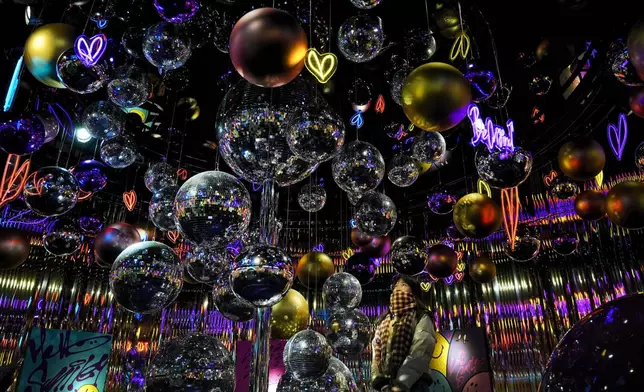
column 357, row 120
column 13, row 86
column 90, row 50
column 617, row 135
column 380, row 104
column 488, row 133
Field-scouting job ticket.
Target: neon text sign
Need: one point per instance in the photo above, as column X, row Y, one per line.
column 488, row 133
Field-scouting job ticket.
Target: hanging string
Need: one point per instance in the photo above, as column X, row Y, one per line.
column 171, row 128
column 88, row 16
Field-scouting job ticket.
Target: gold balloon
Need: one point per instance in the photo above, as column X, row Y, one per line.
column 448, row 23
column 482, row 270
column 435, row 97
column 635, row 45
column 590, row 205
column 581, row 159
column 625, row 205
column 314, row 268
column 477, row 216
column 43, row 48
column 289, row 316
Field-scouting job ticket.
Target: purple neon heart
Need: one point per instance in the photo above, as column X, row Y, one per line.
column 617, row 136
column 90, row 52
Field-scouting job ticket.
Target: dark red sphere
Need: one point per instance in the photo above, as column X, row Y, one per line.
column 636, row 102
column 14, row 248
column 113, row 240
column 442, row 261
column 378, row 247
column 359, row 238
column 590, row 205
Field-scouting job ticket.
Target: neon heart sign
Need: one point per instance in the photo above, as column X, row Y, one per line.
column 322, row 66
column 488, row 133
column 90, row 50
column 617, row 135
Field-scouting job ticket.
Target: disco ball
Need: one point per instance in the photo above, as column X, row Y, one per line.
column 440, row 202
column 205, row 264
column 360, row 38
column 51, row 191
column 112, row 241
column 194, row 362
column 103, row 120
column 565, row 242
column 505, row 168
column 174, row 11
column 337, row 378
column 408, row 255
column 77, row 77
column 358, row 168
column 482, row 84
column 161, row 210
column 621, row 66
column 312, row 197
column 429, row 147
column 22, row 135
column 91, row 175
column 348, row 331
column 526, row 248
column 90, row 224
column 252, row 126
column 307, row 355
column 166, row 47
column 129, row 86
column 160, row 175
column 376, row 214
column 315, row 135
column 362, row 267
column 563, row 188
column 360, row 94
column 118, row 152
column 227, row 303
column 261, row 275
column 62, row 237
column 146, row 277
column 341, row 291
column 403, row 171
column 212, row 208
column 639, row 156
column 420, row 45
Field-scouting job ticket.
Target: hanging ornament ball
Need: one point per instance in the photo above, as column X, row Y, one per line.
column 227, row 303
column 146, row 277
column 482, row 270
column 636, row 102
column 378, row 247
column 526, row 248
column 435, row 97
column 62, row 237
column 14, row 248
column 477, row 216
column 315, row 134
column 160, row 175
column 79, row 78
column 408, row 255
column 132, row 41
column 342, row 291
column 312, row 197
column 635, row 45
column 103, row 120
column 51, row 191
column 440, row 202
column 504, row 168
column 360, row 239
column 625, row 205
column 166, row 46
column 581, row 159
column 348, row 331
column 365, row 4
column 314, row 268
column 91, row 175
column 361, row 38
column 23, row 134
column 90, row 224
column 442, row 261
column 358, row 168
column 403, row 170
column 194, row 362
column 420, row 45
column 212, row 208
column 289, row 316
column 43, row 48
column 565, row 242
column 590, row 205
column 267, row 47
column 337, row 378
column 563, row 188
column 109, row 244
column 429, row 147
column 448, row 23
column 205, row 265
column 362, row 267
column 161, row 209
column 119, row 152
column 51, row 124
column 129, row 87
column 307, row 355
column 360, row 94
column 376, row 214
column 174, row 11
column 483, row 84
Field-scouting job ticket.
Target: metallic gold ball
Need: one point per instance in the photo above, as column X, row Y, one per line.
column 482, row 270
column 289, row 316
column 590, row 205
column 43, row 48
column 267, row 47
column 635, row 45
column 448, row 23
column 581, row 159
column 314, row 268
column 625, row 205
column 442, row 261
column 477, row 216
column 435, row 97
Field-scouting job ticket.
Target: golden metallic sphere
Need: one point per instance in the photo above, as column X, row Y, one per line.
column 289, row 316
column 590, row 205
column 448, row 23
column 581, row 159
column 477, row 216
column 625, row 205
column 435, row 97
column 43, row 48
column 442, row 261
column 314, row 268
column 482, row 270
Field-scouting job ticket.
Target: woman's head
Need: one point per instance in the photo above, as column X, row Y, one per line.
column 406, row 284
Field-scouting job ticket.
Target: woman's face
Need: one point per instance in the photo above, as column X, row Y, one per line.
column 402, row 287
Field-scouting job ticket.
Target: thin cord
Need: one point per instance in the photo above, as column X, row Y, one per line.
column 89, row 16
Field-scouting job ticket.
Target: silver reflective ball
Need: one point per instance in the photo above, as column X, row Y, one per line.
column 376, row 214
column 403, row 171
column 348, row 331
column 504, row 168
column 312, row 197
column 307, row 355
column 408, row 255
column 161, row 210
column 358, row 168
column 62, row 237
column 160, row 175
column 342, row 290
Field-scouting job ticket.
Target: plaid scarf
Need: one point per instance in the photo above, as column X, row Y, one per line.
column 402, row 306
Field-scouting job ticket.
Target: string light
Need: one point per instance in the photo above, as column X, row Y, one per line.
column 321, row 66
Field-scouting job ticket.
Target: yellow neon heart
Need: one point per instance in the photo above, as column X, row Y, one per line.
column 425, row 286
column 599, row 179
column 322, row 66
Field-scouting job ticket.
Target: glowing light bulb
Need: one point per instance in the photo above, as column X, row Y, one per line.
column 82, row 135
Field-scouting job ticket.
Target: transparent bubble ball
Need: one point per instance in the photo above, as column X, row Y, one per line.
column 376, row 214
column 504, row 168
column 62, row 237
column 337, row 378
column 90, row 224
column 420, row 46
column 227, row 303
column 565, row 242
column 79, row 78
column 360, row 38
column 212, row 208
column 342, row 291
column 177, row 11
column 132, row 41
column 129, row 87
column 166, row 47
column 205, row 264
column 360, row 94
column 161, row 209
column 397, row 81
column 563, row 188
column 307, row 355
column 365, row 4
column 195, row 362
column 23, row 134
column 51, row 191
column 441, row 202
column 119, row 152
column 526, row 248
column 408, row 255
column 429, row 147
column 146, row 277
column 91, row 175
column 482, row 84
column 52, row 126
column 160, row 175
column 315, row 135
column 404, row 170
column 358, row 168
column 639, row 156
column 348, row 331
column 103, row 120
column 312, row 197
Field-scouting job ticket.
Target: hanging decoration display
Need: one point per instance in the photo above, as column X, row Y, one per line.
column 510, row 205
column 321, row 66
column 493, row 136
column 357, row 120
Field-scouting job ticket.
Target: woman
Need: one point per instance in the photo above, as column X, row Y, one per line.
column 404, row 342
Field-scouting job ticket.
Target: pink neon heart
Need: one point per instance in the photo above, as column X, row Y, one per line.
column 90, row 52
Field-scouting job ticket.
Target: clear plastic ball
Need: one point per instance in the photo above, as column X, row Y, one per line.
column 621, row 66
column 342, row 291
column 205, row 264
column 397, row 81
column 62, row 237
column 79, row 78
column 365, row 4
column 376, row 214
column 129, row 87
column 312, row 197
column 22, row 135
column 103, row 120
column 261, row 275
column 227, row 303
column 212, row 208
column 146, row 277
column 348, row 331
column 504, row 168
column 201, row 27
column 420, row 46
column 166, row 47
column 307, row 355
column 358, row 168
column 51, row 124
column 132, row 41
column 403, row 171
column 160, row 175
column 90, row 224
column 540, row 85
column 223, row 25
column 51, row 191
column 338, row 378
column 91, row 175
column 195, row 362
column 526, row 248
column 482, row 84
column 565, row 242
column 174, row 11
column 360, row 38
column 441, row 202
column 360, row 94
column 316, row 134
column 408, row 255
column 161, row 209
column 119, row 152
column 429, row 147
column 563, row 188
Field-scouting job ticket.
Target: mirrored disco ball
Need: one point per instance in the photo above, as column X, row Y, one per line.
column 505, row 168
column 51, row 124
column 146, row 277
column 441, row 202
column 429, row 147
column 337, row 378
column 563, row 188
column 261, row 275
column 119, row 152
column 358, row 168
column 79, row 78
column 348, row 331
column 90, row 224
column 212, row 208
column 51, row 191
column 376, row 214
column 360, row 38
column 195, row 362
column 307, row 355
column 205, row 264
column 103, row 120
column 565, row 242
column 174, row 11
column 526, row 248
column 22, row 134
column 62, row 237
column 91, row 175
column 482, row 84
column 161, row 209
column 312, row 197
column 408, row 255
column 166, row 47
column 160, row 175
column 252, row 126
column 342, row 291
column 129, row 86
column 315, row 134
column 227, row 303
column 403, row 171
column 420, row 45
